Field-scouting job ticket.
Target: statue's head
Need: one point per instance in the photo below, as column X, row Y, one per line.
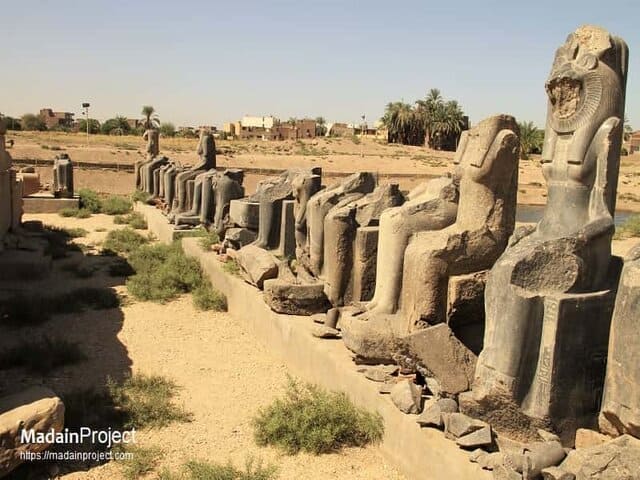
column 587, row 76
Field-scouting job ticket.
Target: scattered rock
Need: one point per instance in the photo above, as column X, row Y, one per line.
column 406, row 395
column 479, row 438
column 258, row 264
column 433, row 385
column 37, row 408
column 490, row 460
column 588, row 438
column 431, row 416
column 457, row 425
column 239, row 237
column 614, row 460
column 448, row 405
column 322, row 331
column 555, row 473
column 503, row 473
column 380, row 373
column 295, row 299
column 438, row 350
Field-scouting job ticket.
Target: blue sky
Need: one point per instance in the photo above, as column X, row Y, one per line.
column 207, row 62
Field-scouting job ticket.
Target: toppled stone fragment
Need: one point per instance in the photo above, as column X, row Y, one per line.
column 406, row 395
column 614, row 460
column 457, row 425
column 380, row 373
column 258, row 264
column 441, row 353
column 431, row 416
column 479, row 438
column 548, row 436
column 37, row 408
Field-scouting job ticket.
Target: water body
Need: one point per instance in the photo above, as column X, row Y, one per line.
column 533, row 214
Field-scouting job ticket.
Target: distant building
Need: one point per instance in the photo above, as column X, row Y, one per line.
column 634, row 142
column 340, row 130
column 56, row 119
column 270, row 128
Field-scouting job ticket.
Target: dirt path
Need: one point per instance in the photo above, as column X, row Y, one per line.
column 224, row 374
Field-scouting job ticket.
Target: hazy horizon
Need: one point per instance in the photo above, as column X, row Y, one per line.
column 201, row 63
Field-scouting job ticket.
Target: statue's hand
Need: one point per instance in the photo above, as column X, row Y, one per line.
column 521, row 232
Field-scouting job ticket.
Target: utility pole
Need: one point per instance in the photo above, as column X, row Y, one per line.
column 362, row 137
column 86, row 106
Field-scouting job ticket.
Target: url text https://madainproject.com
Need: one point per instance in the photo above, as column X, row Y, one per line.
column 48, row 455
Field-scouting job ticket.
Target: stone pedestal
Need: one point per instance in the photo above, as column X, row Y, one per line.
column 620, row 411
column 365, row 253
column 287, row 244
column 244, row 213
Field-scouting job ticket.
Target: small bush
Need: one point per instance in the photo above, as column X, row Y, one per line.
column 89, row 200
column 143, row 461
column 630, row 228
column 313, row 420
column 140, row 196
column 125, row 241
column 120, row 267
column 75, row 212
column 209, row 239
column 76, row 232
column 231, row 267
column 214, row 471
column 205, row 297
column 100, row 229
column 135, row 220
column 41, row 356
column 146, row 401
column 116, row 205
column 162, row 273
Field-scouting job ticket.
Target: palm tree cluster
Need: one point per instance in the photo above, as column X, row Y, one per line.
column 150, row 119
column 531, row 139
column 431, row 121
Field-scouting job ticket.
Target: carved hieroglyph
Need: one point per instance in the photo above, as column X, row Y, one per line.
column 549, row 297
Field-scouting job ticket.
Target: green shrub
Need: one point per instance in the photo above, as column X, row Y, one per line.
column 125, row 240
column 120, row 267
column 83, row 213
column 630, row 228
column 214, row 471
column 140, row 196
column 41, row 356
column 116, row 205
column 147, row 401
column 231, row 267
column 89, row 200
column 205, row 297
column 162, row 273
column 209, row 239
column 143, row 461
column 75, row 212
column 135, row 220
column 76, row 232
column 313, row 420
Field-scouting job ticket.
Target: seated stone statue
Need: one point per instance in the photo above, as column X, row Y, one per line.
column 203, row 181
column 430, row 206
column 207, row 152
column 62, row 176
column 318, row 206
column 549, row 297
column 487, row 172
column 152, row 136
column 167, row 182
column 272, row 193
column 340, row 227
column 305, row 186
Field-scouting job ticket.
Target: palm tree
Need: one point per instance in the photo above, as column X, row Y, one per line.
column 429, row 109
column 531, row 139
column 402, row 122
column 447, row 121
column 626, row 130
column 151, row 119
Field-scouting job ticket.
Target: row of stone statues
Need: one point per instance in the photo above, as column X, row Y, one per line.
column 536, row 303
column 394, row 265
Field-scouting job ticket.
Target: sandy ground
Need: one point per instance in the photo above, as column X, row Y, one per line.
column 223, row 373
column 406, row 165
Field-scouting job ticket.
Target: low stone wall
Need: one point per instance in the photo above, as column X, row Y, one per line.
column 47, row 203
column 419, row 453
